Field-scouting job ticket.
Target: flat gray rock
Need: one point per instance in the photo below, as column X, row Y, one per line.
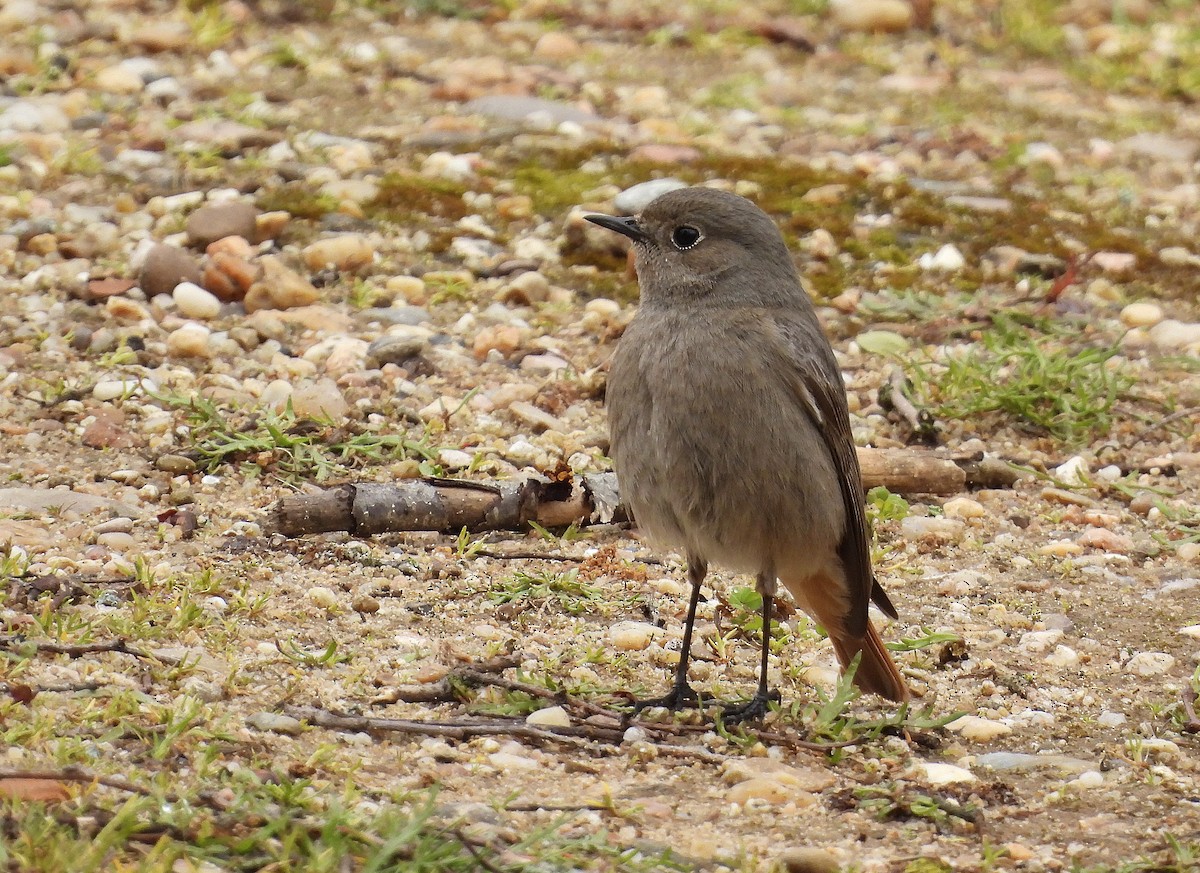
column 513, row 107
column 42, row 499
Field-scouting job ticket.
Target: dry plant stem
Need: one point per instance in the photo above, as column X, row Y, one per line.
column 1170, row 419
column 900, row 402
column 78, row 650
column 1192, row 725
column 449, row 505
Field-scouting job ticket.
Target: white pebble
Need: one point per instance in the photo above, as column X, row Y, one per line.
column 455, row 459
column 1108, row 718
column 917, row 527
column 1039, row 641
column 945, row 774
column 1073, row 471
column 1088, row 779
column 1149, row 663
column 1141, row 314
column 550, row 716
column 319, row 595
column 194, row 302
column 509, row 761
column 979, row 730
column 189, row 341
column 947, row 259
column 633, row 636
column 111, row 389
column 1063, row 657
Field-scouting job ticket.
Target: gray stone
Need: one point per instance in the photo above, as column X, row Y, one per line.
column 165, row 267
column 1161, row 147
column 511, row 107
column 397, row 348
column 210, row 223
column 1019, row 762
column 410, row 315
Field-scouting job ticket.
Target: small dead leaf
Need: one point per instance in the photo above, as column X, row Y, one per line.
column 99, row 289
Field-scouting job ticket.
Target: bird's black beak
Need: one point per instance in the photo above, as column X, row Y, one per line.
column 624, row 226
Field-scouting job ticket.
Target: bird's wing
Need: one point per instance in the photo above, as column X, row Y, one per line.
column 817, row 386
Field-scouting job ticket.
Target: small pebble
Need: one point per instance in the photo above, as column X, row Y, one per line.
column 194, row 302
column 364, row 604
column 175, row 464
column 979, row 730
column 1141, row 314
column 809, row 860
column 210, row 223
column 1036, row 642
column 1063, row 657
column 1073, row 471
column 932, row 528
column 936, row 773
column 550, row 716
column 1105, row 540
column 319, row 595
column 1087, row 779
column 165, row 267
column 280, row 287
column 275, row 723
column 633, row 636
column 508, row 761
column 1149, row 664
column 345, row 252
column 114, row 525
column 118, row 542
column 189, row 341
column 963, row 507
column 947, row 259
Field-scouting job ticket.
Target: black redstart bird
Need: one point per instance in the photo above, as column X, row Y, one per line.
column 730, row 431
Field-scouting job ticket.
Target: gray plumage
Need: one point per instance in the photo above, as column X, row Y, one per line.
column 730, row 431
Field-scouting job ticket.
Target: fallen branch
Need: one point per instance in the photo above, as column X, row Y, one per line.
column 78, row 650
column 449, row 505
column 78, row 774
column 593, row 738
column 576, row 735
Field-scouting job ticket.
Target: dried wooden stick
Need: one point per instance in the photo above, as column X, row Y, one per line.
column 78, row 650
column 449, row 505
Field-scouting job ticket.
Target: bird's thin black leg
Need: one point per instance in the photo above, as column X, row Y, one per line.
column 682, row 694
column 757, row 706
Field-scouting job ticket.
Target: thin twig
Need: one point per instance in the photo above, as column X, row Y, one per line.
column 526, row 555
column 1173, row 417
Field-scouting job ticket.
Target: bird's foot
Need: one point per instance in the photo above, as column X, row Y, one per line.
column 681, row 696
column 752, row 710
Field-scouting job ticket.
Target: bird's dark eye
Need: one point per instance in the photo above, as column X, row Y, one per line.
column 685, row 236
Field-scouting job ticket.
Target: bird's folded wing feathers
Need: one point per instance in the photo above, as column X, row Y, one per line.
column 817, row 387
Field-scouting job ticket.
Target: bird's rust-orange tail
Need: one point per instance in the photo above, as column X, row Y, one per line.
column 877, row 672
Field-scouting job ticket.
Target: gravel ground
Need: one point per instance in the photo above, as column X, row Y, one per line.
column 250, row 249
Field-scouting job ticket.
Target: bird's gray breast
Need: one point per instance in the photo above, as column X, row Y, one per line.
column 713, row 452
